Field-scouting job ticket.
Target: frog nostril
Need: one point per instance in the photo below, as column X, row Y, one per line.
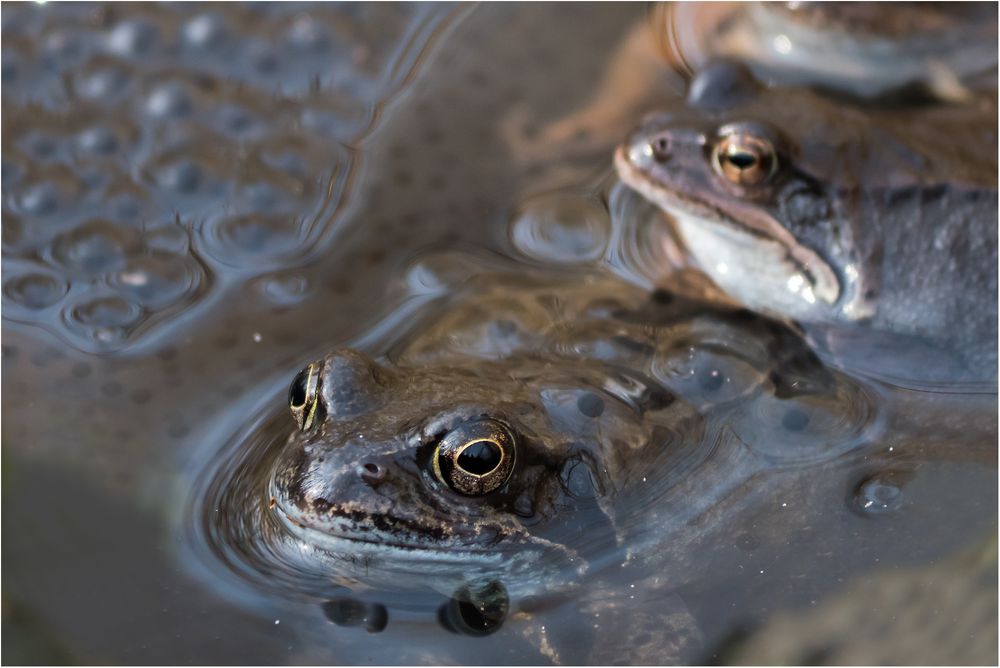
column 660, row 148
column 372, row 472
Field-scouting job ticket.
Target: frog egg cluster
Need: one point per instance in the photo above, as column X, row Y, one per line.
column 157, row 152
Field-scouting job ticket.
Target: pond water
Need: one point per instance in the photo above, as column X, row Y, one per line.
column 201, row 201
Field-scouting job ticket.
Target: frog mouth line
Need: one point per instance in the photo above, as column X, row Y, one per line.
column 489, row 552
column 817, row 272
column 375, row 536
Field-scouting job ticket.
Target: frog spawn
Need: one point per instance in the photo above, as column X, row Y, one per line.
column 108, row 184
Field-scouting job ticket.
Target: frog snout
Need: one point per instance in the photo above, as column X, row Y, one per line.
column 643, row 151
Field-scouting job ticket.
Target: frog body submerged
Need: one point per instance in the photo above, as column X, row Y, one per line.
column 601, row 429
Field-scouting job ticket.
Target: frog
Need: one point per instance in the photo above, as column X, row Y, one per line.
column 846, row 218
column 563, row 446
column 946, row 51
column 868, row 51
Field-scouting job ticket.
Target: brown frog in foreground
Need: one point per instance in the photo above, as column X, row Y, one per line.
column 570, row 465
column 572, row 444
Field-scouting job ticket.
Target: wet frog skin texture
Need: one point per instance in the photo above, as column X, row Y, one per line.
column 632, row 454
column 203, row 200
column 822, row 212
column 623, row 450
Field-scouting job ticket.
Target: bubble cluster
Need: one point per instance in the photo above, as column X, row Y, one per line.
column 164, row 144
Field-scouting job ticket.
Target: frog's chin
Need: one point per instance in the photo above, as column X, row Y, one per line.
column 757, row 262
column 757, row 270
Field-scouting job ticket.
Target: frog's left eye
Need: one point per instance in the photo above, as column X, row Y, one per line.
column 475, row 458
column 744, row 159
column 303, row 396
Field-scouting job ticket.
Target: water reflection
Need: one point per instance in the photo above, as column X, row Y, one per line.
column 349, row 612
column 476, row 610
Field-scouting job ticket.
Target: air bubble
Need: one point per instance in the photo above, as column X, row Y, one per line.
column 106, row 312
column 205, row 31
column 169, row 101
column 306, row 34
column 35, row 291
column 132, row 38
column 93, row 248
column 810, row 427
column 285, row 288
column 156, row 281
column 707, row 375
column 98, row 140
column 103, row 323
column 104, row 84
column 249, row 238
column 39, row 200
column 562, row 229
column 182, row 177
column 881, row 493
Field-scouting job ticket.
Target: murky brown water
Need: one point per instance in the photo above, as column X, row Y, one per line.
column 199, row 200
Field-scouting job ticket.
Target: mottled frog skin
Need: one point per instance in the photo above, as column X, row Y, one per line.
column 823, row 212
column 370, row 478
column 543, row 441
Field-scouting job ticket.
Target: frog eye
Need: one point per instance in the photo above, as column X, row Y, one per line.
column 744, row 159
column 303, row 396
column 475, row 458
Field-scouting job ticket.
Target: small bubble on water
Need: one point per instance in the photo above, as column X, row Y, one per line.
column 204, row 31
column 169, row 101
column 257, row 338
column 132, row 38
column 156, row 281
column 106, row 312
column 93, row 247
column 98, row 139
column 562, row 229
column 881, row 492
column 35, row 291
column 40, row 200
column 284, row 288
column 183, row 177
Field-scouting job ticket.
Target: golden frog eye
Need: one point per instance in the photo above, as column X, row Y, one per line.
column 303, row 396
column 475, row 458
column 744, row 159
